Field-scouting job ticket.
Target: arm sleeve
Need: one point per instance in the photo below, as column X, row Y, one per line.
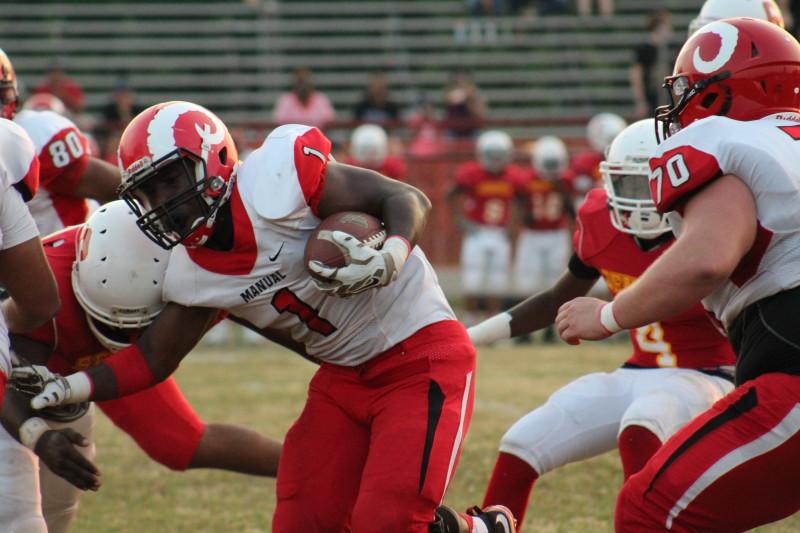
column 581, row 270
column 63, row 161
column 679, row 173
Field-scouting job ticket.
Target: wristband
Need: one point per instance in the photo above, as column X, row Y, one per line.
column 31, row 430
column 130, row 369
column 80, row 387
column 491, row 330
column 608, row 320
column 399, row 249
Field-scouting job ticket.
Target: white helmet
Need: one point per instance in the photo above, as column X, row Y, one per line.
column 494, row 150
column 550, row 155
column 369, row 145
column 626, row 174
column 722, row 9
column 602, row 129
column 118, row 275
column 45, row 102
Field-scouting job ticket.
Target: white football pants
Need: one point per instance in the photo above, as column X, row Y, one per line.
column 60, row 499
column 584, row 418
column 541, row 257
column 485, row 260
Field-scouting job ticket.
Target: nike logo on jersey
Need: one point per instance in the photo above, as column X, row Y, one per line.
column 262, row 285
column 274, row 257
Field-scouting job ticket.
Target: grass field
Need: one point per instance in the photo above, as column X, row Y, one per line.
column 264, row 388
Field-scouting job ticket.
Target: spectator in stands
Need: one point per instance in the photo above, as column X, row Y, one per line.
column 605, row 7
column 121, row 107
column 465, row 107
column 56, row 82
column 303, row 104
column 376, row 106
column 651, row 63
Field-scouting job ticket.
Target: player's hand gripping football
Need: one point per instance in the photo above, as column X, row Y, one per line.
column 57, row 389
column 580, row 319
column 56, row 449
column 366, row 268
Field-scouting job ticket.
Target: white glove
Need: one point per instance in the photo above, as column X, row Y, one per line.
column 58, row 390
column 366, row 268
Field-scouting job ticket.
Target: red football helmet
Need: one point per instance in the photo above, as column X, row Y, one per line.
column 740, row 68
column 178, row 165
column 9, row 93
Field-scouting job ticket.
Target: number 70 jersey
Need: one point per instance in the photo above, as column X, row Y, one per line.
column 764, row 154
column 264, row 280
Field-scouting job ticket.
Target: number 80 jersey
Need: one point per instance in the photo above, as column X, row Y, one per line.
column 263, row 279
column 63, row 153
column 764, row 154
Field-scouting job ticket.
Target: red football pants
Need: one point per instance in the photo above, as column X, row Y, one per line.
column 732, row 468
column 377, row 444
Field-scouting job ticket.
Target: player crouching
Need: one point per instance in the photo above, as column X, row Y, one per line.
column 110, row 278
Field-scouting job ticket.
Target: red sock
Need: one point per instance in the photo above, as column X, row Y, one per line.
column 511, row 485
column 636, row 446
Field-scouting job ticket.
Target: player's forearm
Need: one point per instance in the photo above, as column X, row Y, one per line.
column 535, row 313
column 670, row 286
column 405, row 213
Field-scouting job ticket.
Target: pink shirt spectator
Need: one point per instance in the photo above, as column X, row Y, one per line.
column 317, row 112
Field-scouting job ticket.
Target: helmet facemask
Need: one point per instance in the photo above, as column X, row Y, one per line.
column 681, row 93
column 174, row 198
column 632, row 210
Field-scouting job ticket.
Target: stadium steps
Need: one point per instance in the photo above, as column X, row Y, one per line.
column 237, row 57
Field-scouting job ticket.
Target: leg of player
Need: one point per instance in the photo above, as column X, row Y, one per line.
column 20, row 504
column 579, row 421
column 665, row 400
column 320, row 466
column 60, row 498
column 420, row 412
column 238, row 449
column 731, row 469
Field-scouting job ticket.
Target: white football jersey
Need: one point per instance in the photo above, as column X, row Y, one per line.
column 18, row 163
column 264, row 280
column 63, row 153
column 764, row 155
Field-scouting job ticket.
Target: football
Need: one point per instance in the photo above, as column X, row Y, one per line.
column 320, row 246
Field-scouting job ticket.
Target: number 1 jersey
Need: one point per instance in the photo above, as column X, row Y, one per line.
column 264, row 280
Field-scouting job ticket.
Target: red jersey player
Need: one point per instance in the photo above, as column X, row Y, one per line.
column 544, row 199
column 727, row 176
column 381, row 432
column 677, row 368
column 585, row 165
column 109, row 279
column 481, row 199
column 369, row 148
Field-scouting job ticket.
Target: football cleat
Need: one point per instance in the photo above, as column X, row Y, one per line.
column 494, row 519
column 498, row 519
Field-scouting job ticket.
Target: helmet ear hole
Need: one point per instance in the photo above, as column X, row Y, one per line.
column 223, row 155
column 708, row 100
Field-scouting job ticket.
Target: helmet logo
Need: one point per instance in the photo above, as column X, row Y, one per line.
column 84, row 237
column 164, row 126
column 209, row 139
column 728, row 39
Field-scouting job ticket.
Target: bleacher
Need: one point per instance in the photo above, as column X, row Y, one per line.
column 546, row 73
